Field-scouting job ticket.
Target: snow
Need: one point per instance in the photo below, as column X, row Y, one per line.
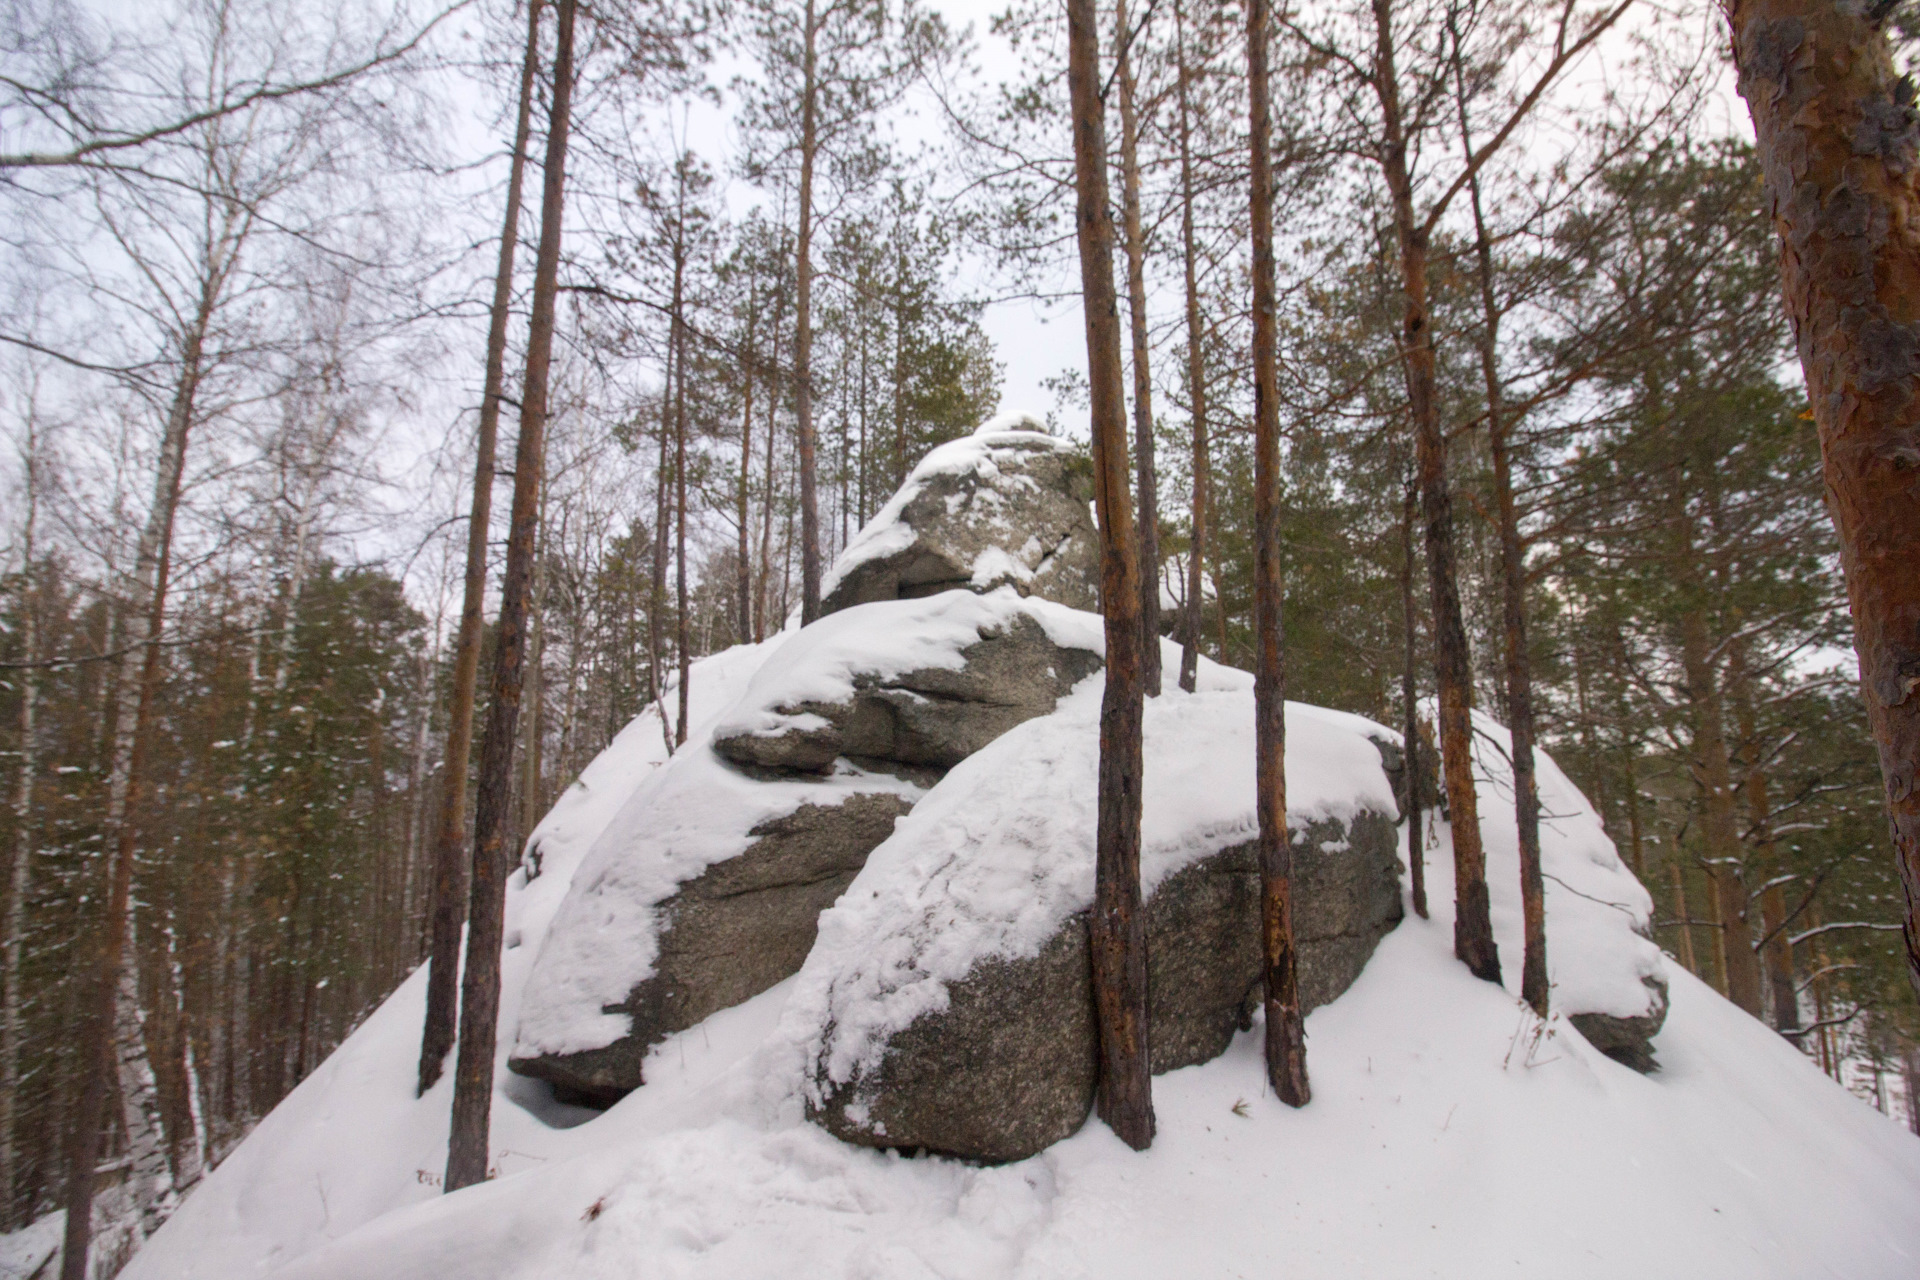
column 699, row 810
column 1001, row 852
column 1594, row 964
column 352, row 1143
column 1450, row 1133
column 887, row 534
column 26, row 1251
column 875, row 642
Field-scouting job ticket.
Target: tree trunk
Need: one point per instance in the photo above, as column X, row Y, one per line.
column 467, row 1144
column 1136, row 250
column 743, row 577
column 449, row 845
column 20, row 873
column 139, row 683
column 1410, row 699
column 1473, row 921
column 1118, row 925
column 1196, row 374
column 1777, row 953
column 682, row 642
column 803, row 335
column 1713, row 775
column 1677, row 876
column 663, row 492
column 1835, row 125
column 1513, row 582
column 1286, row 1031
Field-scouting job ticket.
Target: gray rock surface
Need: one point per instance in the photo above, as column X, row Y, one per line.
column 1007, row 1068
column 930, row 719
column 1021, row 518
column 729, row 934
column 1628, row 1040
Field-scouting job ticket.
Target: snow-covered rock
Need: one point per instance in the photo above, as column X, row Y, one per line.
column 910, row 684
column 947, row 1004
column 1005, row 506
column 705, row 889
column 1607, row 975
column 1450, row 1135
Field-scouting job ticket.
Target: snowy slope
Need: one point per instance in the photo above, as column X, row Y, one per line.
column 352, row 1142
column 1446, row 1138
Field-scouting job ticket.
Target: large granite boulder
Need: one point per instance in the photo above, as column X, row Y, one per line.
column 1007, row 1069
column 706, row 890
column 946, row 1005
column 925, row 718
column 1006, row 506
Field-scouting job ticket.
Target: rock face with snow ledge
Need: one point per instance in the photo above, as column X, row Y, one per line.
column 706, row 888
column 1006, row 506
column 947, row 1004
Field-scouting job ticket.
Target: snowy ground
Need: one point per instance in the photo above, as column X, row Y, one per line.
column 1444, row 1139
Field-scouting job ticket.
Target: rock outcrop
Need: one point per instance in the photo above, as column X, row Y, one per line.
column 759, row 828
column 1006, row 506
column 1006, row 1069
column 947, row 1003
column 929, row 718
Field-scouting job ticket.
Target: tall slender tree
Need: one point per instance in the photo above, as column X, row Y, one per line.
column 1135, row 239
column 1124, row 1094
column 450, row 829
column 1286, row 1029
column 1196, row 370
column 468, row 1141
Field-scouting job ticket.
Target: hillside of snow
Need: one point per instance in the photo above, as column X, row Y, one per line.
column 1450, row 1133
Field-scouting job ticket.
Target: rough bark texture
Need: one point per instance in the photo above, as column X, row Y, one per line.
column 1410, row 700
column 1473, row 921
column 1838, row 146
column 1007, row 1067
column 450, row 838
column 1513, row 591
column 20, row 872
column 1118, row 929
column 139, row 684
column 1136, row 249
column 1713, row 775
column 803, row 336
column 467, row 1143
column 743, row 555
column 1286, row 1032
column 1196, row 375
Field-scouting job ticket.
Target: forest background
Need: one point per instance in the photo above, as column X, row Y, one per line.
column 285, row 299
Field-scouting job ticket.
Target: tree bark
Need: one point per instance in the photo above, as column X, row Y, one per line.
column 1835, row 126
column 449, row 846
column 20, row 873
column 1196, row 373
column 1136, row 250
column 743, row 578
column 1286, row 1030
column 1513, row 584
column 1713, row 775
column 1118, row 926
column 1473, row 921
column 139, row 686
column 803, row 335
column 682, row 638
column 1410, row 700
column 467, row 1144
column 1777, row 953
column 1677, row 877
